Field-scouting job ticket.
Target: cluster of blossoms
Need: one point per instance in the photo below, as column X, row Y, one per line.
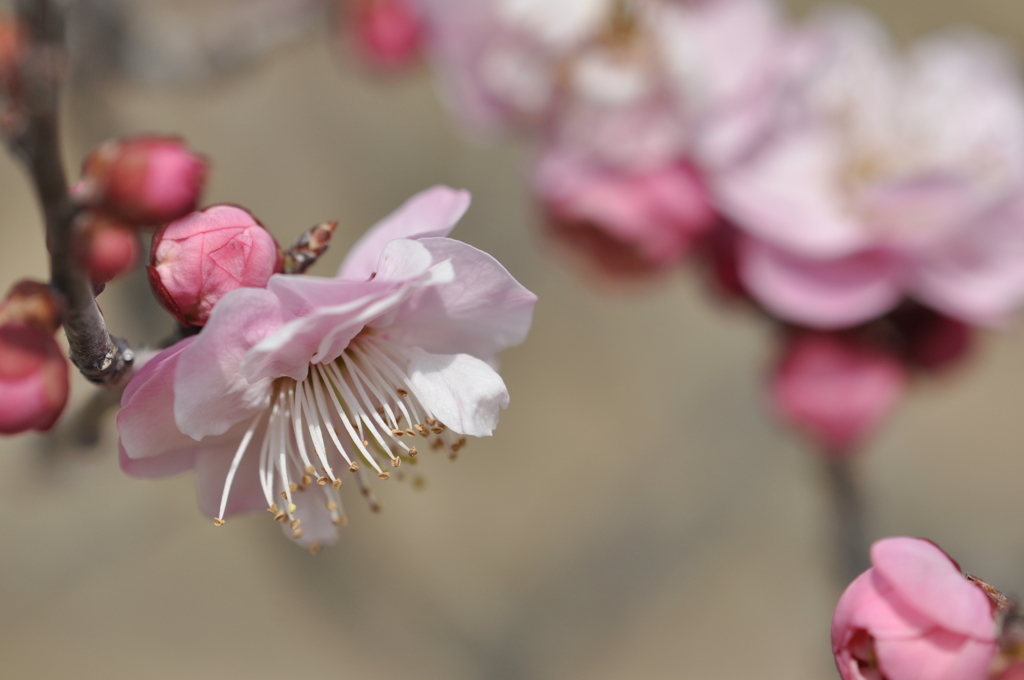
column 868, row 198
column 915, row 616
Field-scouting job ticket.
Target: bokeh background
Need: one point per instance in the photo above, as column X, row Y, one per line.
column 637, row 515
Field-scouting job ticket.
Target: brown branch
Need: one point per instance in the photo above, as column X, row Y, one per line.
column 34, row 138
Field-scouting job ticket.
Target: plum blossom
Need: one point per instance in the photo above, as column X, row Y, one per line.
column 913, row 616
column 890, row 175
column 288, row 388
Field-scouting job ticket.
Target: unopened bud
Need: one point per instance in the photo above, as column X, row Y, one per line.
column 389, row 32
column 1014, row 672
column 142, row 181
column 13, row 45
column 107, row 248
column 33, row 370
column 197, row 260
column 836, row 388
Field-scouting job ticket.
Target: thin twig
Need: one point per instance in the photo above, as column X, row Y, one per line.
column 35, row 140
column 850, row 532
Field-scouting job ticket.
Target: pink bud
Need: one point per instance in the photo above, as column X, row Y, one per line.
column 913, row 615
column 108, row 248
column 197, row 260
column 143, row 181
column 13, row 45
column 389, row 32
column 835, row 388
column 34, row 380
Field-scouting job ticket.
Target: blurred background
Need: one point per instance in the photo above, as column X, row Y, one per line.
column 638, row 513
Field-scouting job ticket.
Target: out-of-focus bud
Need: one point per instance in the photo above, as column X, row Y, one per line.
column 835, row 388
column 34, row 379
column 913, row 615
column 107, row 248
column 13, row 44
column 197, row 260
column 933, row 341
column 389, row 32
column 142, row 181
column 627, row 224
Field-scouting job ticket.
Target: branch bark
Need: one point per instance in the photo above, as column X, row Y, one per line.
column 35, row 140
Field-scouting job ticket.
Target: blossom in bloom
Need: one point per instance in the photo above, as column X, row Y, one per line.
column 389, row 32
column 625, row 223
column 200, row 258
column 34, row 380
column 144, row 181
column 913, row 616
column 890, row 175
column 835, row 388
column 288, row 389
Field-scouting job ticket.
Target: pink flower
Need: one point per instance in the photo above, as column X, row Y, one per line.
column 34, row 381
column 199, row 259
column 625, row 223
column 145, row 181
column 834, row 388
column 287, row 388
column 389, row 32
column 913, row 616
column 889, row 177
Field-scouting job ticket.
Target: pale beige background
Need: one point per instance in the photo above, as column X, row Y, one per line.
column 637, row 515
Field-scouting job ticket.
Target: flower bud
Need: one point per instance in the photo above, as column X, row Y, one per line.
column 143, row 181
column 108, row 248
column 34, row 379
column 835, row 388
column 198, row 259
column 1014, row 672
column 389, row 32
column 913, row 615
column 13, row 44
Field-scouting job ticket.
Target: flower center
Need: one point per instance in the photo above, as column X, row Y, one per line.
column 362, row 405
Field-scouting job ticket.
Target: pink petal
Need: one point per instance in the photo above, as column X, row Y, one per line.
column 170, row 462
column 433, row 212
column 789, row 195
column 927, row 580
column 145, row 422
column 332, row 312
column 869, row 603
column 824, row 294
column 212, row 464
column 978, row 275
column 480, row 312
column 210, row 392
column 939, row 655
column 463, row 392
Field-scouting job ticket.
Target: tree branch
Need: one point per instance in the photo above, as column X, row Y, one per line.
column 34, row 138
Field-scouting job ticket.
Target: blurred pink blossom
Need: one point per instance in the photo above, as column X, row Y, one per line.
column 889, row 175
column 288, row 387
column 625, row 223
column 34, row 380
column 913, row 616
column 389, row 33
column 200, row 258
column 835, row 388
column 144, row 181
